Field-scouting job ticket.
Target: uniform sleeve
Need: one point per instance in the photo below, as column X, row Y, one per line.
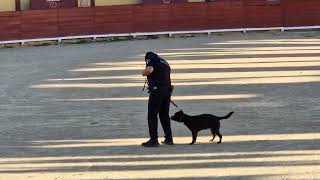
column 150, row 62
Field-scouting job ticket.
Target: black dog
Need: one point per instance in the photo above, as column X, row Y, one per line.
column 200, row 122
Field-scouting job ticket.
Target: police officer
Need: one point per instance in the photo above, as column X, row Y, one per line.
column 158, row 74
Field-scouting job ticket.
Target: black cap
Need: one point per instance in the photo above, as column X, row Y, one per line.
column 150, row 55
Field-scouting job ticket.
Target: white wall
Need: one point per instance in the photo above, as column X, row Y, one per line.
column 7, row 5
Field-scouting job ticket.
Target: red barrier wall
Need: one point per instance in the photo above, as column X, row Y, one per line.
column 113, row 19
column 301, row 12
column 263, row 13
column 187, row 16
column 145, row 19
column 221, row 14
column 39, row 24
column 10, row 25
column 76, row 21
column 225, row 14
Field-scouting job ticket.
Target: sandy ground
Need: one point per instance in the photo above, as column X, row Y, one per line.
column 77, row 111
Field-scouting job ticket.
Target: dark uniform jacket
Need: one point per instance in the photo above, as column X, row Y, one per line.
column 160, row 77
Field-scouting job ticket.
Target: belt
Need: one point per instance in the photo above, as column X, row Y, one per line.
column 159, row 87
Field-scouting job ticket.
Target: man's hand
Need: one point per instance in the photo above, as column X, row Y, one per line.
column 147, row 71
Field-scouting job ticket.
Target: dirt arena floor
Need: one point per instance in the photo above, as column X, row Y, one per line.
column 76, row 111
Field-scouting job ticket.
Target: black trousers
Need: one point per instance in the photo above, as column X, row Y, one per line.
column 159, row 103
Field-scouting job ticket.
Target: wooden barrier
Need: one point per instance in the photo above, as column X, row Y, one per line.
column 76, row 21
column 187, row 16
column 223, row 14
column 10, row 25
column 145, row 19
column 301, row 12
column 39, row 24
column 113, row 19
column 263, row 13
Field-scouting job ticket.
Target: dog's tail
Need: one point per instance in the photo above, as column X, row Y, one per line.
column 227, row 116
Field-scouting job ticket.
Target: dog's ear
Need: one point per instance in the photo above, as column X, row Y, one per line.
column 180, row 113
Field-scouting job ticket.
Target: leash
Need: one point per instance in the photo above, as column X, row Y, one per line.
column 174, row 104
column 144, row 86
column 175, row 123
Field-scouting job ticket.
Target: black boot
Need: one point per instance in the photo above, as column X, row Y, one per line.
column 151, row 143
column 168, row 141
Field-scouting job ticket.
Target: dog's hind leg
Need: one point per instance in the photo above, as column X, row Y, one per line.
column 213, row 134
column 220, row 135
column 194, row 137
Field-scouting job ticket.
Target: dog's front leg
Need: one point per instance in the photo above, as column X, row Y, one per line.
column 194, row 137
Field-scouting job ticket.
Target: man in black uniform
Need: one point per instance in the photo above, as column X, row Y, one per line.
column 158, row 73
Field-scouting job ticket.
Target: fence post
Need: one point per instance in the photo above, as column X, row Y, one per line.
column 18, row 5
column 283, row 13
